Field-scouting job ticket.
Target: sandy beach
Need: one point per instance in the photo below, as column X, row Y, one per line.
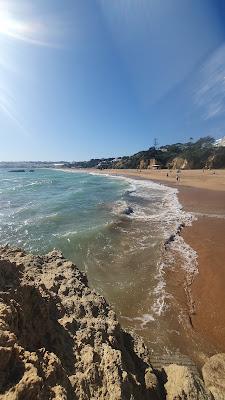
column 202, row 193
column 209, row 179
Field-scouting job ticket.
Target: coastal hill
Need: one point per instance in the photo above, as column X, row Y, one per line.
column 61, row 340
column 204, row 153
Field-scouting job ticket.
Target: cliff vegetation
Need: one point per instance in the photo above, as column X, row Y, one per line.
column 203, row 153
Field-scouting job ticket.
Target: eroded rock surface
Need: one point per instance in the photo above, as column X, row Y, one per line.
column 214, row 375
column 61, row 340
column 181, row 384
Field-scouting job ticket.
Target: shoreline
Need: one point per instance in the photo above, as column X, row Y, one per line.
column 205, row 236
column 205, row 199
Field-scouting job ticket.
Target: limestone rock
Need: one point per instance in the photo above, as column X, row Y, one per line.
column 179, row 163
column 183, row 385
column 214, row 375
column 61, row 340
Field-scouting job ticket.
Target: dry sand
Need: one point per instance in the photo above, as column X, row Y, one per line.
column 213, row 179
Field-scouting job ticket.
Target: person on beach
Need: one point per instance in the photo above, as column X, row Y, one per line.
column 178, row 177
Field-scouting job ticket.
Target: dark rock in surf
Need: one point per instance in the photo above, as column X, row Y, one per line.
column 128, row 211
column 169, row 240
column 173, row 236
column 17, row 170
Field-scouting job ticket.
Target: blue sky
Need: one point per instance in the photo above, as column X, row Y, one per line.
column 93, row 78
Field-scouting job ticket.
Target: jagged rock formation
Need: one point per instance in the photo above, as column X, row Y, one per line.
column 179, row 163
column 61, row 340
column 214, row 375
column 183, row 385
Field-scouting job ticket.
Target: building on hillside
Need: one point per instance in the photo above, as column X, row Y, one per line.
column 220, row 142
column 61, row 165
column 149, row 164
column 153, row 164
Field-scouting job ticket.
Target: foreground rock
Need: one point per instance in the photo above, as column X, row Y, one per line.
column 214, row 375
column 183, row 385
column 61, row 340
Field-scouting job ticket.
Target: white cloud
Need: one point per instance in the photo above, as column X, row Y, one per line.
column 209, row 95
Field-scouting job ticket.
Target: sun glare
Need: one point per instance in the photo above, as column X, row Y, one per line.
column 18, row 29
column 21, row 25
column 11, row 27
column 14, row 29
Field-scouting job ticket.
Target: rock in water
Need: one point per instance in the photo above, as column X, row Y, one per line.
column 61, row 340
column 128, row 211
column 214, row 375
column 183, row 385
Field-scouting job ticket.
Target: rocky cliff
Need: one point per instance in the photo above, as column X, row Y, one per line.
column 61, row 340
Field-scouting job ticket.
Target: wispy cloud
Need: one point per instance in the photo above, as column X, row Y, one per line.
column 209, row 95
column 8, row 108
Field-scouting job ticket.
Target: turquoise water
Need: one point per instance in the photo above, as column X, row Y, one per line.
column 83, row 215
column 47, row 209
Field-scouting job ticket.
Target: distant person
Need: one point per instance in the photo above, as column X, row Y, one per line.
column 167, row 174
column 178, row 178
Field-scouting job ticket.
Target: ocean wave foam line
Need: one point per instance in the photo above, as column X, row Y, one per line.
column 174, row 217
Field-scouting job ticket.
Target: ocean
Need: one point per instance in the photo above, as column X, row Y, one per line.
column 84, row 215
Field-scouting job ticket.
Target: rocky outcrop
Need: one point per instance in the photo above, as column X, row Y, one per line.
column 214, row 376
column 61, row 340
column 179, row 163
column 183, row 385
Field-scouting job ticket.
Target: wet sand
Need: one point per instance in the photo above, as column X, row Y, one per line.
column 207, row 237
column 202, row 193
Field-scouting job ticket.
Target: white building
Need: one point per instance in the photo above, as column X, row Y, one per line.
column 220, row 142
